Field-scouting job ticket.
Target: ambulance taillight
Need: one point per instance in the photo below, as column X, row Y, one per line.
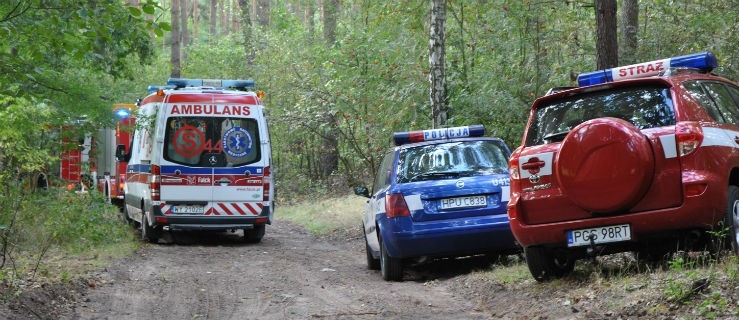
column 155, row 183
column 266, row 180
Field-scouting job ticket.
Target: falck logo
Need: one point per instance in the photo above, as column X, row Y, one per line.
column 460, row 184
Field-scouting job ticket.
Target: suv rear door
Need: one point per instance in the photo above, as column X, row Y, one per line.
column 574, row 167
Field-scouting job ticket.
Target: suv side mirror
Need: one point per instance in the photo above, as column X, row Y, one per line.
column 120, row 153
column 362, row 191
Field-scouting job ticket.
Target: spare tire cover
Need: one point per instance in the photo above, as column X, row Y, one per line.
column 605, row 165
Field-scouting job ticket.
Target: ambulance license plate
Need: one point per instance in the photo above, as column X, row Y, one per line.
column 463, row 202
column 598, row 235
column 180, row 209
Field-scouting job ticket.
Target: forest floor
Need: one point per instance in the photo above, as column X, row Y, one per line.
column 293, row 274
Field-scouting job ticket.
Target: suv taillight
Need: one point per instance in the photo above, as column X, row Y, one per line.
column 155, row 182
column 689, row 137
column 395, row 206
column 266, row 179
column 513, row 168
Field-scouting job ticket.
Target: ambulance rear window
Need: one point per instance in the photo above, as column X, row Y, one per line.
column 211, row 141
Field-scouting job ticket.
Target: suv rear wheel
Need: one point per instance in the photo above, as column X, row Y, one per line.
column 545, row 266
column 731, row 218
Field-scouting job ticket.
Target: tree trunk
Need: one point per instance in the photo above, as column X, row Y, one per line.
column 262, row 13
column 224, row 18
column 184, row 31
column 330, row 142
column 246, row 31
column 195, row 20
column 629, row 31
column 436, row 64
column 329, row 21
column 606, row 43
column 213, row 20
column 235, row 17
column 310, row 11
column 175, row 39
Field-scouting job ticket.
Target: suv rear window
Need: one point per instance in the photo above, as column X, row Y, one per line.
column 199, row 141
column 451, row 160
column 643, row 106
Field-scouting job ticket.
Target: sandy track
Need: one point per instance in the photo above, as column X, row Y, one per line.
column 290, row 275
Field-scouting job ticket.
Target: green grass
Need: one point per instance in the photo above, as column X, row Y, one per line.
column 57, row 236
column 324, row 216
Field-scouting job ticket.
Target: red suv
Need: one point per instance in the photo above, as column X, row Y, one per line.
column 641, row 158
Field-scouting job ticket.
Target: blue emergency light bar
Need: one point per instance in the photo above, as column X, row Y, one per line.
column 152, row 89
column 438, row 134
column 215, row 83
column 123, row 113
column 704, row 62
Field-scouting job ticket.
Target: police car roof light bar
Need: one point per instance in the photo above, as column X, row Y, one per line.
column 179, row 83
column 705, row 62
column 438, row 134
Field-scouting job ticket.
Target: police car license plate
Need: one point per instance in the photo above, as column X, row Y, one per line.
column 463, row 202
column 583, row 237
column 188, row 209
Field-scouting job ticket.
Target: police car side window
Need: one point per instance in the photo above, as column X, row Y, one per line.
column 698, row 93
column 726, row 104
column 383, row 173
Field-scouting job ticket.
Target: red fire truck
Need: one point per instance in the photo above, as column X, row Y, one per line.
column 113, row 168
column 89, row 158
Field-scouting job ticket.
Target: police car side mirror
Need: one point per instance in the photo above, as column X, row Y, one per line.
column 120, row 153
column 362, row 191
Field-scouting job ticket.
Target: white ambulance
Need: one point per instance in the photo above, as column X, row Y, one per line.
column 200, row 160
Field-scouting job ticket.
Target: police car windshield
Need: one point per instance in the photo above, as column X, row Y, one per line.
column 211, row 141
column 643, row 106
column 451, row 160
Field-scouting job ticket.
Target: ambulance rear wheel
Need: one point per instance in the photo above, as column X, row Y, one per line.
column 149, row 233
column 254, row 235
column 124, row 214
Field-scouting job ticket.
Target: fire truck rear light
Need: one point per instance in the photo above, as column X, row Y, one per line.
column 689, row 136
column 395, row 206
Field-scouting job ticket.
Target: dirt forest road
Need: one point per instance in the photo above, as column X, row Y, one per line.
column 290, row 275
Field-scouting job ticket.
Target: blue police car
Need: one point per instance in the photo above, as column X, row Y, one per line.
column 438, row 193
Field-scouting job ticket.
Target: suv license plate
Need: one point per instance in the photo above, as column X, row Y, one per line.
column 583, row 237
column 463, row 202
column 188, row 209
